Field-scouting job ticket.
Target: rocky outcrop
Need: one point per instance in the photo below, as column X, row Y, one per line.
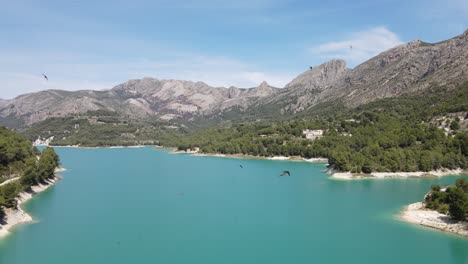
column 304, row 91
column 409, row 68
column 320, row 77
column 43, row 141
column 142, row 98
column 3, row 102
column 416, row 213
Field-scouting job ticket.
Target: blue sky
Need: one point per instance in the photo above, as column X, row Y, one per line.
column 90, row 45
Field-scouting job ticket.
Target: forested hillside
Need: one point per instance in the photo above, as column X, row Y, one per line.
column 99, row 129
column 22, row 165
column 388, row 135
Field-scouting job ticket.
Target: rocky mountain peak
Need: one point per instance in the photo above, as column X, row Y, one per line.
column 321, row 76
column 264, row 89
column 263, row 85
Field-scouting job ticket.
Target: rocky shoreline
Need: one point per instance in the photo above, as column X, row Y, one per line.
column 17, row 216
column 381, row 175
column 244, row 156
column 416, row 213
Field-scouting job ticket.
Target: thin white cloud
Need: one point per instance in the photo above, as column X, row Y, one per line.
column 359, row 46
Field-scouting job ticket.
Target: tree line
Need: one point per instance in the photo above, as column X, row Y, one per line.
column 32, row 166
column 388, row 135
column 452, row 200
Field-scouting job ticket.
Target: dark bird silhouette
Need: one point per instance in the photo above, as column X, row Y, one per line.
column 311, row 67
column 45, row 76
column 285, row 172
column 241, row 166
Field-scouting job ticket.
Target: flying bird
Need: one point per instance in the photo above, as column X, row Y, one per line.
column 285, row 172
column 45, row 77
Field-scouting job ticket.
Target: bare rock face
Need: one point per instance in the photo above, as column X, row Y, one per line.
column 143, row 98
column 408, row 68
column 320, row 77
column 305, row 89
column 264, row 89
column 3, row 102
column 38, row 106
column 171, row 96
column 244, row 98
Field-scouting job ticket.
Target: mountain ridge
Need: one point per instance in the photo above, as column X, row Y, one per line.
column 408, row 68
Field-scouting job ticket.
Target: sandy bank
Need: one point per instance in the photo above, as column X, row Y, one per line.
column 416, row 213
column 381, row 175
column 243, row 156
column 175, row 151
column 109, row 147
column 18, row 216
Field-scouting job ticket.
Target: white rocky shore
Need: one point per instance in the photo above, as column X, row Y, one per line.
column 416, row 213
column 380, row 175
column 18, row 216
column 244, row 156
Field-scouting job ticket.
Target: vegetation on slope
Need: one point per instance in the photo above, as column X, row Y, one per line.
column 98, row 129
column 14, row 151
column 452, row 200
column 19, row 158
column 387, row 135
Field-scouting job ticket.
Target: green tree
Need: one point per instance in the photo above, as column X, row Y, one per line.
column 457, row 201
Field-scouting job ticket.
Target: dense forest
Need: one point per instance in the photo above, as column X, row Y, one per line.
column 100, row 129
column 452, row 200
column 20, row 160
column 388, row 135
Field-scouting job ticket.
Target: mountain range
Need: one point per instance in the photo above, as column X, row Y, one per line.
column 406, row 69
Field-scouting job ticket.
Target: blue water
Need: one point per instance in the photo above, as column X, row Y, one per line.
column 148, row 206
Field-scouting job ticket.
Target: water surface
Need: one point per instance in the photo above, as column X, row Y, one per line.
column 148, row 206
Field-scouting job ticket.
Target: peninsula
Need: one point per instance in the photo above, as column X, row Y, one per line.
column 445, row 209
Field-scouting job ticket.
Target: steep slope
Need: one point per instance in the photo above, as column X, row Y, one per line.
column 143, row 98
column 3, row 102
column 305, row 89
column 409, row 68
column 244, row 98
column 35, row 107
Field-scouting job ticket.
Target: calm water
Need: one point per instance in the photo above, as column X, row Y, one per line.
column 147, row 206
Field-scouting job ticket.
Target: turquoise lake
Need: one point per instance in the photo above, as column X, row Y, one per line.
column 143, row 205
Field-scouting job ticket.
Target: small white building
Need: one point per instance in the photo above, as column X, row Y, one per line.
column 313, row 134
column 42, row 141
